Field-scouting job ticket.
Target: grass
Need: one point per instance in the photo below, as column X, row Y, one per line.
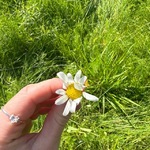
column 107, row 40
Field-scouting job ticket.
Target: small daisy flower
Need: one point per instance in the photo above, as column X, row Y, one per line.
column 72, row 91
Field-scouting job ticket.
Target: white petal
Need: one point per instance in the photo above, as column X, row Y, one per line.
column 83, row 79
column 65, row 85
column 70, row 78
column 61, row 100
column 60, row 92
column 78, row 86
column 78, row 100
column 77, row 76
column 62, row 76
column 73, row 107
column 67, row 108
column 90, row 97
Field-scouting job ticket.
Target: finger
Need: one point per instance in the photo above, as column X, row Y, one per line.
column 30, row 96
column 49, row 102
column 23, row 104
column 41, row 111
column 43, row 108
column 53, row 126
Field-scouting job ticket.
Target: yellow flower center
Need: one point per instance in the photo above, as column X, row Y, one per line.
column 73, row 93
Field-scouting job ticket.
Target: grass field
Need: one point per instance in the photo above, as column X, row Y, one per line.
column 109, row 40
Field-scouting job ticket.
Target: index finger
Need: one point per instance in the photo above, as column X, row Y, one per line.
column 25, row 101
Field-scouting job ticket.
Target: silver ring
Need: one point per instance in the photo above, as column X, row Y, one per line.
column 13, row 119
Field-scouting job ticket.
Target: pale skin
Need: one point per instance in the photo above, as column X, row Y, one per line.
column 30, row 102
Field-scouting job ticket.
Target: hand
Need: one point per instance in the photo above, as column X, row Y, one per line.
column 30, row 102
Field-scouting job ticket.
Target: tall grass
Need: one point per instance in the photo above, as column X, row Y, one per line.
column 107, row 40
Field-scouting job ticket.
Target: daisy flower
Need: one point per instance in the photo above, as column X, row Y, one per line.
column 73, row 91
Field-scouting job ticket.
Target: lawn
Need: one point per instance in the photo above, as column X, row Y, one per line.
column 108, row 40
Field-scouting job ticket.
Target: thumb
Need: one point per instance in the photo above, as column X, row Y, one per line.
column 52, row 129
